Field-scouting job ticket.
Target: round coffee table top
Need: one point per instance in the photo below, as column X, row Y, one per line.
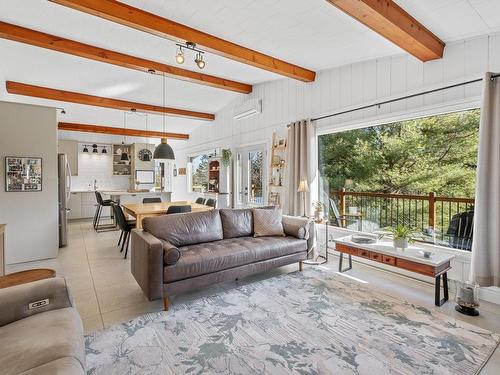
column 28, row 276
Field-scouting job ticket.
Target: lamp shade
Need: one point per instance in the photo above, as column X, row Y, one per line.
column 303, row 187
column 163, row 151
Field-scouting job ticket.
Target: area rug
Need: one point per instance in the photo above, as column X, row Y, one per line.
column 311, row 322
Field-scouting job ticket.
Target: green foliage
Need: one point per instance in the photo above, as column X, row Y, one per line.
column 226, row 157
column 402, row 232
column 418, row 156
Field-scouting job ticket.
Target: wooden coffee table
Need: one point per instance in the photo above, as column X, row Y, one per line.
column 410, row 259
column 28, row 276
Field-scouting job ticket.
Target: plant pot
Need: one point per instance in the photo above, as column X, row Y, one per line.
column 400, row 243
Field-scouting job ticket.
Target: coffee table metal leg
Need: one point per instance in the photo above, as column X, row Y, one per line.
column 437, row 291
column 341, row 260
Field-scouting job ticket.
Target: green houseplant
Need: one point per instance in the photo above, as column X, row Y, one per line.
column 226, row 157
column 402, row 236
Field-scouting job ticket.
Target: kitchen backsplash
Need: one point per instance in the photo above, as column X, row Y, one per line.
column 97, row 167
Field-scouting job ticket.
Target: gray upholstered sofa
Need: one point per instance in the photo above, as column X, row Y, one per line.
column 43, row 341
column 173, row 254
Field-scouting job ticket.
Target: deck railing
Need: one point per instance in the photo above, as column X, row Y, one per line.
column 421, row 212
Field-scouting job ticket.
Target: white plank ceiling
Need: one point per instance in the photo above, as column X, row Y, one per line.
column 312, row 34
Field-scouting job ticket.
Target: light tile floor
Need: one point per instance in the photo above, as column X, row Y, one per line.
column 106, row 293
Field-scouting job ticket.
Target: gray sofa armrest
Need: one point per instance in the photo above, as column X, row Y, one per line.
column 147, row 263
column 300, row 227
column 51, row 294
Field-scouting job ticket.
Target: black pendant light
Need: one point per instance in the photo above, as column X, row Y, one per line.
column 163, row 151
column 104, row 151
column 94, row 149
column 85, row 149
column 124, row 156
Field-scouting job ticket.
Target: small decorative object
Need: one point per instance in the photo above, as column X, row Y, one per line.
column 280, row 180
column 363, row 239
column 426, row 253
column 23, row 174
column 145, row 155
column 467, row 298
column 282, row 142
column 318, row 211
column 276, row 161
column 182, row 171
column 226, row 157
column 402, row 236
column 175, row 171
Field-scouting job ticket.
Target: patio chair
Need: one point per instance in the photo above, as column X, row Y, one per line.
column 460, row 230
column 339, row 220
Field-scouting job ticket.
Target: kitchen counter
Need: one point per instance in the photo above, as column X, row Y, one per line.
column 124, row 192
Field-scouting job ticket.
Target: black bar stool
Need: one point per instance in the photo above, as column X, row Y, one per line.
column 98, row 211
column 151, row 200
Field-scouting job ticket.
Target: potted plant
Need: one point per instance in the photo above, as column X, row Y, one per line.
column 318, row 211
column 226, row 157
column 402, row 236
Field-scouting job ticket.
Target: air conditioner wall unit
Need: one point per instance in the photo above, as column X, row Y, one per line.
column 247, row 109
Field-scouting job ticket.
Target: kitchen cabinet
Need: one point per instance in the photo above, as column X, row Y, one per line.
column 75, row 206
column 83, row 204
column 70, row 148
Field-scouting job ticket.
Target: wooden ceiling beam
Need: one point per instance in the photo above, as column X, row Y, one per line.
column 388, row 19
column 56, row 43
column 100, row 129
column 127, row 15
column 98, row 101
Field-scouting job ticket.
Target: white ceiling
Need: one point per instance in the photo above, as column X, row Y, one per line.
column 312, row 34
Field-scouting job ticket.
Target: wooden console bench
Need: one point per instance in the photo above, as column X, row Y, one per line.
column 409, row 259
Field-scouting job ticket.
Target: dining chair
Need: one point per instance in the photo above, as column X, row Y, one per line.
column 151, row 200
column 200, row 200
column 125, row 226
column 178, row 209
column 211, row 202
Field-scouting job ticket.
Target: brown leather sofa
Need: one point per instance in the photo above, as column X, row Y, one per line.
column 173, row 254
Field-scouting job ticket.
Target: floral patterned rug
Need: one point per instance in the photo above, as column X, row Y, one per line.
column 311, row 322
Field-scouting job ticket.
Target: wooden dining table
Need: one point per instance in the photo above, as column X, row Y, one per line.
column 141, row 210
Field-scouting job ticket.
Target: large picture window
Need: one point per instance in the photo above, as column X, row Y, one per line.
column 199, row 173
column 419, row 173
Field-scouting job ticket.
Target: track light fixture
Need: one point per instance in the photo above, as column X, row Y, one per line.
column 104, row 151
column 85, row 149
column 180, row 58
column 94, row 149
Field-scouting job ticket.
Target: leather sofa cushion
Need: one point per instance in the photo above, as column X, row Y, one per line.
column 267, row 222
column 186, row 229
column 40, row 339
column 237, row 223
column 216, row 256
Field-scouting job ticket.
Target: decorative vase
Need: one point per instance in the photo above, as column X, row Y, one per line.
column 318, row 215
column 467, row 298
column 400, row 243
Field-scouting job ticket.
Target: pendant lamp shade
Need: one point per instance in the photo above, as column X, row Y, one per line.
column 124, row 156
column 163, row 151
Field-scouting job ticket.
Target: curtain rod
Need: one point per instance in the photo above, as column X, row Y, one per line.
column 403, row 98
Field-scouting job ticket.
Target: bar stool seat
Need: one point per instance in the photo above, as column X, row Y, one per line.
column 98, row 211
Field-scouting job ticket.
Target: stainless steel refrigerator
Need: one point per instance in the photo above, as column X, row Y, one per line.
column 64, row 189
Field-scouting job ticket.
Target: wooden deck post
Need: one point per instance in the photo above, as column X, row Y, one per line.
column 342, row 205
column 432, row 209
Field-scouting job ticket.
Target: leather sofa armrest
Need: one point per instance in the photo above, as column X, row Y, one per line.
column 147, row 263
column 296, row 226
column 21, row 301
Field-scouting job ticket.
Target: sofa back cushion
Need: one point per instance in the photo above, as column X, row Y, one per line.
column 237, row 223
column 185, row 229
column 267, row 222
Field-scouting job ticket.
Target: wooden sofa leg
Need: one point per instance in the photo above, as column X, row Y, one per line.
column 166, row 303
column 300, row 266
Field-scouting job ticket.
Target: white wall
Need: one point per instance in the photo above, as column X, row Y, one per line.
column 347, row 87
column 31, row 217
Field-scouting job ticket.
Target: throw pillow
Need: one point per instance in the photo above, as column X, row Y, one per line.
column 267, row 222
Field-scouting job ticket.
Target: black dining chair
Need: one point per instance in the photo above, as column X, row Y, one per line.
column 211, row 202
column 98, row 211
column 151, row 200
column 200, row 200
column 178, row 209
column 125, row 226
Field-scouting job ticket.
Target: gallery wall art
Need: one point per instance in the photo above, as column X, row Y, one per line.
column 23, row 174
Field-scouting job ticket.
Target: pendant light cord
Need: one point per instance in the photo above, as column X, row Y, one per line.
column 163, row 104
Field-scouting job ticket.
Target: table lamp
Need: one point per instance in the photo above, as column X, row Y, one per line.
column 303, row 188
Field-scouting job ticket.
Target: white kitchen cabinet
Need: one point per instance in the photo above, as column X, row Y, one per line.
column 75, row 206
column 70, row 148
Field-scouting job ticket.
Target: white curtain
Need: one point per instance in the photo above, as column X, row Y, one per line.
column 301, row 165
column 485, row 268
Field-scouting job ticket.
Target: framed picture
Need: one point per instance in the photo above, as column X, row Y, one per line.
column 282, row 142
column 23, row 174
column 182, row 171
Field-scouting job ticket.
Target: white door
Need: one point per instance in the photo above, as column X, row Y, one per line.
column 251, row 176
